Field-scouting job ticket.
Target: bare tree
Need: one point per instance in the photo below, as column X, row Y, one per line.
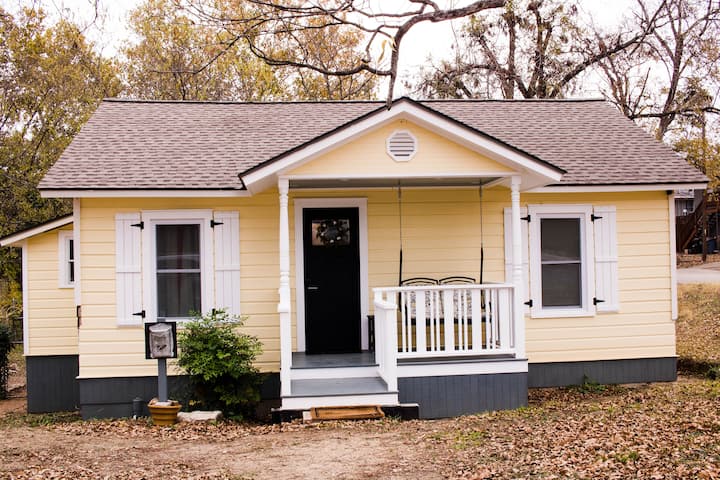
column 672, row 76
column 536, row 49
column 275, row 30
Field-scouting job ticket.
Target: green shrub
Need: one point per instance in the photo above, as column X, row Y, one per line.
column 219, row 361
column 5, row 347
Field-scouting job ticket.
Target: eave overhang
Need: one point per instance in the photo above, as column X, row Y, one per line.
column 15, row 239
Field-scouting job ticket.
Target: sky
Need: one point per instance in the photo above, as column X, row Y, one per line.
column 425, row 40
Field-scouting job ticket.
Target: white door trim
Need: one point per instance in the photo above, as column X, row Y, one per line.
column 299, row 205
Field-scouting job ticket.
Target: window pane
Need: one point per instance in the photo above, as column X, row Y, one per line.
column 71, row 260
column 560, row 239
column 178, row 294
column 178, row 247
column 561, row 285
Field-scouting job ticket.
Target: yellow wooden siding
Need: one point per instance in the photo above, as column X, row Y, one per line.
column 441, row 237
column 52, row 326
column 368, row 156
column 643, row 327
column 111, row 350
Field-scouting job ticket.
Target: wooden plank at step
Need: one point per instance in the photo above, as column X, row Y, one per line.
column 352, row 412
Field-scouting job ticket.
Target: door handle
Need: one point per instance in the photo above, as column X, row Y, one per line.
column 313, row 288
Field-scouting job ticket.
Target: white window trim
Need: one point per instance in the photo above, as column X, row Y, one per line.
column 583, row 212
column 150, row 219
column 64, row 237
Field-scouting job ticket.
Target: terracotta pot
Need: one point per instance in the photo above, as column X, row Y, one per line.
column 164, row 415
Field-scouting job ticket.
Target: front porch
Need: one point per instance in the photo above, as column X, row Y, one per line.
column 461, row 335
column 429, row 340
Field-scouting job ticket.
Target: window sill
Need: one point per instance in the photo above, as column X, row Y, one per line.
column 562, row 313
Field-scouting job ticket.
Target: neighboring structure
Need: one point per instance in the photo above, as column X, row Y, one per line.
column 554, row 218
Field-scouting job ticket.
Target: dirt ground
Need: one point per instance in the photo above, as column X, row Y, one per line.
column 646, row 431
column 658, row 431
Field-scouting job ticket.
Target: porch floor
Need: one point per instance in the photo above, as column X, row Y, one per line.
column 333, row 360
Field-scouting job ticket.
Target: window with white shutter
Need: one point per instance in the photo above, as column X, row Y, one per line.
column 171, row 264
column 562, row 279
column 573, row 259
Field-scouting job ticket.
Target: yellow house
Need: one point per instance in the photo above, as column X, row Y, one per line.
column 449, row 254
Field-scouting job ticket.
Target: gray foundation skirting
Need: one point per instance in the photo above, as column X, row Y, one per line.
column 638, row 370
column 52, row 384
column 113, row 397
column 453, row 395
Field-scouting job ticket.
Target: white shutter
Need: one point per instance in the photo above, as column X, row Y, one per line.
column 606, row 259
column 128, row 275
column 226, row 234
column 509, row 256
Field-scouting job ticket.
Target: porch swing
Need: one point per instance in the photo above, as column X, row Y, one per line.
column 451, row 280
column 435, row 301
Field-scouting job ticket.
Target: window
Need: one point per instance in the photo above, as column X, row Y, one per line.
column 569, row 259
column 172, row 263
column 178, row 270
column 66, row 258
column 178, row 263
column 561, row 260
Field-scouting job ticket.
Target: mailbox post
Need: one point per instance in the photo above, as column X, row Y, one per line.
column 160, row 344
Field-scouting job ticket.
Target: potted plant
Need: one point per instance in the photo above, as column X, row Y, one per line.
column 164, row 413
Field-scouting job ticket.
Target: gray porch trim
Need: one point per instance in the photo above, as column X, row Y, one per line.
column 636, row 370
column 51, row 383
column 450, row 396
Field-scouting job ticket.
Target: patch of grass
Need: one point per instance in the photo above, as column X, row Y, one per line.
column 589, row 386
column 629, row 456
column 38, row 419
column 698, row 328
column 16, row 359
column 471, row 439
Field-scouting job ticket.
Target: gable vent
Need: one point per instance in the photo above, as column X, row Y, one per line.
column 401, row 145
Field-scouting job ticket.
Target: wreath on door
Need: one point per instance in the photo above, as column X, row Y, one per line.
column 333, row 232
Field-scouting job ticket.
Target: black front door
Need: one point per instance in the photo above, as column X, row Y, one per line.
column 332, row 280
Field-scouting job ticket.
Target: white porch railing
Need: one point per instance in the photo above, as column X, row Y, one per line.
column 442, row 321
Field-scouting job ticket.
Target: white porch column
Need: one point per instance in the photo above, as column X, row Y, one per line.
column 517, row 275
column 284, row 307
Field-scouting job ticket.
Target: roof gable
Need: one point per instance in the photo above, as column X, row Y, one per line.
column 368, row 156
column 536, row 171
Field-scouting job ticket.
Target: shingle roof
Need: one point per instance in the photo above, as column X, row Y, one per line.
column 207, row 145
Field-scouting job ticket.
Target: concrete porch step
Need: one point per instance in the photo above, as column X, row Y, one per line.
column 336, row 392
column 333, row 366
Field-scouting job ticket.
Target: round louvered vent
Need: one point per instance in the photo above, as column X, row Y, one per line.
column 401, row 145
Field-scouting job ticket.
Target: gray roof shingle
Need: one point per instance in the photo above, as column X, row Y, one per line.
column 206, row 145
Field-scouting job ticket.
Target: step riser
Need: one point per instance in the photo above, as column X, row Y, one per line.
column 305, row 403
column 338, row 372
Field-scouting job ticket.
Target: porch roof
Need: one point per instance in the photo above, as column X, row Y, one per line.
column 206, row 146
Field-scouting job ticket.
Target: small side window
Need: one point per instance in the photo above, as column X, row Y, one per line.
column 66, row 259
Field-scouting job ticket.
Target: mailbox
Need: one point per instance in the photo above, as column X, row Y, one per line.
column 160, row 340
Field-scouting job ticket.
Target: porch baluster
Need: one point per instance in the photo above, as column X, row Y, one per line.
column 420, row 323
column 477, row 317
column 448, row 314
